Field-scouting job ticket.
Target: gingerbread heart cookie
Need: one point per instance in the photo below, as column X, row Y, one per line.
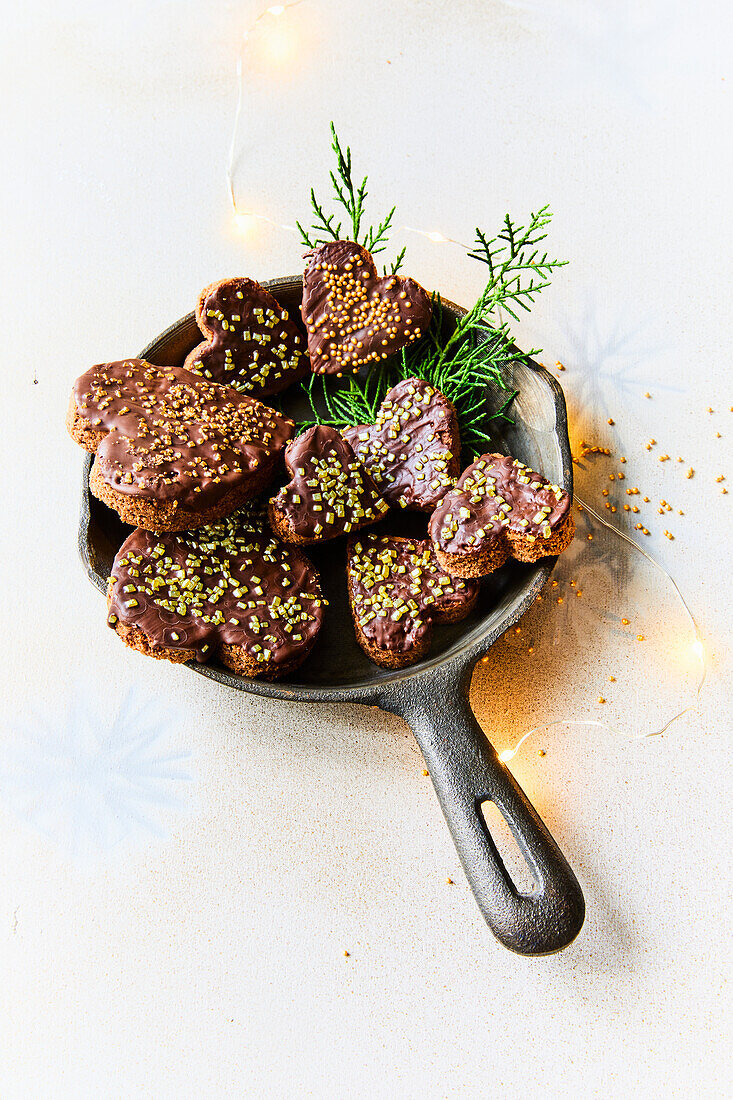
column 173, row 450
column 353, row 316
column 330, row 492
column 397, row 591
column 227, row 590
column 499, row 509
column 251, row 343
column 412, row 450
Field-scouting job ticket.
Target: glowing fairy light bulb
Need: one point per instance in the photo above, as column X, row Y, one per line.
column 244, row 223
column 697, row 649
column 509, row 754
column 436, row 237
column 278, row 46
column 276, row 9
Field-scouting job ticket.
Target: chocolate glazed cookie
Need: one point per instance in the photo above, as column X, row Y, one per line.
column 413, row 449
column 227, row 589
column 330, row 492
column 251, row 343
column 499, row 509
column 173, row 451
column 354, row 317
column 398, row 591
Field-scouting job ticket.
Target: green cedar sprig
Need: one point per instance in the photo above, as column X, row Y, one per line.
column 351, row 197
column 518, row 271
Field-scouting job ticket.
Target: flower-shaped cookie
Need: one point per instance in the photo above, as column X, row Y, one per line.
column 228, row 590
column 353, row 316
column 251, row 343
column 499, row 509
column 397, row 591
column 412, row 450
column 173, row 450
column 329, row 494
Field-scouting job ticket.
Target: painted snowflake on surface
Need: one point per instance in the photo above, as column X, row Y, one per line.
column 90, row 778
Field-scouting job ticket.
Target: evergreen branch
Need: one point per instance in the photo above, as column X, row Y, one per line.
column 376, row 239
column 511, row 256
column 397, row 264
column 322, row 224
column 352, row 198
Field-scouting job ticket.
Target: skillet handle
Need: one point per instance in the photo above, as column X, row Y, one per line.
column 466, row 772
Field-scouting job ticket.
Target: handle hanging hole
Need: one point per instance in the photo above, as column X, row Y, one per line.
column 510, row 855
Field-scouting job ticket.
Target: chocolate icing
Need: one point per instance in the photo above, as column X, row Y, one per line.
column 174, row 435
column 353, row 316
column 251, row 342
column 398, row 588
column 225, row 583
column 412, row 449
column 494, row 493
column 330, row 492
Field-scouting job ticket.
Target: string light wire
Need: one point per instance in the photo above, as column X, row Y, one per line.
column 242, row 217
column 435, row 237
column 697, row 649
column 275, row 10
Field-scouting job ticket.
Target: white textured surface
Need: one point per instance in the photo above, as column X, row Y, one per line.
column 208, row 961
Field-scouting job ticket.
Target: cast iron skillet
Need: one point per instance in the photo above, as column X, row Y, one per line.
column 432, row 696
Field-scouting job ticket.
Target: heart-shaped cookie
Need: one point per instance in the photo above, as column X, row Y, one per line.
column 329, row 494
column 251, row 343
column 173, row 450
column 228, row 590
column 353, row 316
column 499, row 509
column 412, row 450
column 398, row 590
